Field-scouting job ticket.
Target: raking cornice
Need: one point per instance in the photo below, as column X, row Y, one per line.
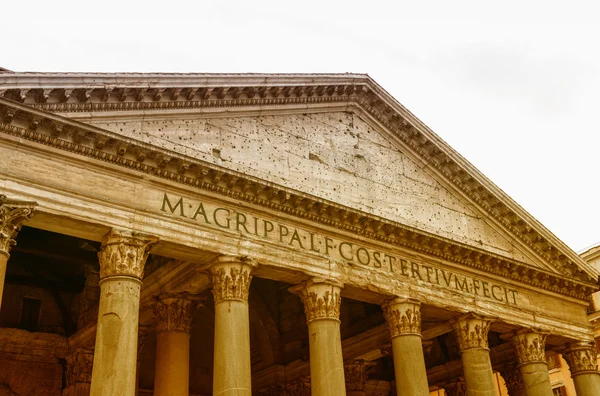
column 56, row 131
column 67, row 93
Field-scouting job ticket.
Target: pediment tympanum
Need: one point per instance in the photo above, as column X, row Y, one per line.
column 332, row 149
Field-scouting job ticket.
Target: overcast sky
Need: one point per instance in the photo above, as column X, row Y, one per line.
column 513, row 85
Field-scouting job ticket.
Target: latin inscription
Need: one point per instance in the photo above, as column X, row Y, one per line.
column 352, row 253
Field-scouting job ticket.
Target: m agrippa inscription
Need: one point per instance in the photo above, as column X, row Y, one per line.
column 350, row 252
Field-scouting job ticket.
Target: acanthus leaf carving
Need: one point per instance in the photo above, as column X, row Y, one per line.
column 403, row 316
column 174, row 312
column 529, row 346
column 582, row 357
column 512, row 379
column 471, row 331
column 124, row 253
column 321, row 298
column 12, row 215
column 231, row 277
column 356, row 373
column 79, row 366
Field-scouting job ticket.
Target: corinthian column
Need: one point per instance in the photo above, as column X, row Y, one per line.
column 12, row 215
column 174, row 318
column 582, row 358
column 530, row 348
column 122, row 259
column 456, row 388
column 472, row 335
column 322, row 301
column 231, row 284
column 403, row 317
column 79, row 372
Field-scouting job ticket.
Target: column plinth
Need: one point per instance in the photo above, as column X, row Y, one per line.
column 174, row 318
column 530, row 347
column 322, row 302
column 79, row 373
column 403, row 317
column 472, row 335
column 12, row 215
column 231, row 277
column 582, row 360
column 122, row 259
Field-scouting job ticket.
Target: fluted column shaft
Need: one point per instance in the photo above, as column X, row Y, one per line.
column 322, row 302
column 174, row 318
column 472, row 335
column 530, row 347
column 582, row 358
column 122, row 259
column 403, row 317
column 12, row 215
column 231, row 277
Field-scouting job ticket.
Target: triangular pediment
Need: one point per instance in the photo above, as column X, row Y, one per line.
column 339, row 138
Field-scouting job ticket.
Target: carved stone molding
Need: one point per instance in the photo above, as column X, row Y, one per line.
column 471, row 331
column 12, row 215
column 59, row 133
column 512, row 378
column 231, row 277
column 321, row 298
column 530, row 346
column 174, row 312
column 298, row 387
column 143, row 331
column 275, row 390
column 403, row 316
column 456, row 388
column 356, row 373
column 582, row 358
column 79, row 366
column 124, row 253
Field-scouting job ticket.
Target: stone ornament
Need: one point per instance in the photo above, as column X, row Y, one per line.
column 356, row 373
column 471, row 331
column 174, row 312
column 231, row 277
column 124, row 253
column 275, row 390
column 321, row 299
column 12, row 215
column 512, row 379
column 530, row 346
column 457, row 388
column 299, row 387
column 79, row 366
column 582, row 358
column 403, row 316
column 143, row 332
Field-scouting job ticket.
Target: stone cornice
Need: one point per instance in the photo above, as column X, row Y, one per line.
column 576, row 278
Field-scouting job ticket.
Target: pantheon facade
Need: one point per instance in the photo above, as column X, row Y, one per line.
column 265, row 234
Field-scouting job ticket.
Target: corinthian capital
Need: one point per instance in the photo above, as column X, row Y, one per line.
column 582, row 357
column 456, row 388
column 403, row 316
column 124, row 253
column 356, row 373
column 12, row 215
column 321, row 298
column 471, row 331
column 231, row 277
column 530, row 346
column 174, row 312
column 79, row 366
column 513, row 379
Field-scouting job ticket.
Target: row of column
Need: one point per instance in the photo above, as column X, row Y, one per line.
column 122, row 259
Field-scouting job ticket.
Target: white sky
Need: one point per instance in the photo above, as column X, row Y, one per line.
column 513, row 85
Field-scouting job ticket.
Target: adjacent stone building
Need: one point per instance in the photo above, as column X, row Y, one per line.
column 175, row 234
